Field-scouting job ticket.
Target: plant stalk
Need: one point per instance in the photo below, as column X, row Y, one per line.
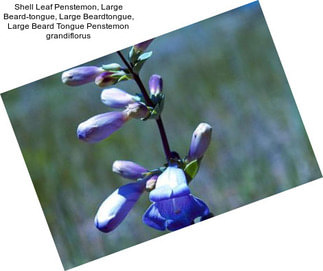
column 144, row 93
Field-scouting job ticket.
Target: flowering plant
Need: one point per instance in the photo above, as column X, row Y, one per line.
column 173, row 206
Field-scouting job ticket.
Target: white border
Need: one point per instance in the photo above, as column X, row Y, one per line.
column 283, row 232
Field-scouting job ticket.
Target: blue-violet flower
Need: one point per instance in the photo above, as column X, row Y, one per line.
column 174, row 207
column 101, row 126
column 116, row 207
column 128, row 169
column 200, row 141
column 81, row 75
column 116, row 98
column 142, row 46
column 155, row 84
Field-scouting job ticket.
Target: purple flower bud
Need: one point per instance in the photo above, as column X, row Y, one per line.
column 101, row 126
column 116, row 98
column 200, row 141
column 105, row 79
column 81, row 75
column 155, row 84
column 128, row 169
column 116, row 207
column 137, row 111
column 142, row 46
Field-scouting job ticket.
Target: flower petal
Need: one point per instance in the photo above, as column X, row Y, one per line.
column 100, row 126
column 116, row 207
column 184, row 209
column 170, row 184
column 153, row 219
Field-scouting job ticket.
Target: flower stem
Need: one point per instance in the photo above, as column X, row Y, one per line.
column 144, row 93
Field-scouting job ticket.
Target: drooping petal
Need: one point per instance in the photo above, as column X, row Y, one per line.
column 153, row 219
column 200, row 141
column 128, row 169
column 175, row 213
column 171, row 183
column 174, row 225
column 181, row 211
column 116, row 98
column 81, row 75
column 116, row 207
column 101, row 126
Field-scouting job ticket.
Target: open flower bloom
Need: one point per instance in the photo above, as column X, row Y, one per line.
column 101, row 126
column 116, row 207
column 116, row 98
column 174, row 207
column 128, row 169
column 200, row 141
column 81, row 75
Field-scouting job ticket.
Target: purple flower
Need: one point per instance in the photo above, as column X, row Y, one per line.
column 81, row 75
column 106, row 79
column 142, row 46
column 101, row 126
column 200, row 141
column 155, row 84
column 116, row 98
column 174, row 207
column 116, row 207
column 128, row 169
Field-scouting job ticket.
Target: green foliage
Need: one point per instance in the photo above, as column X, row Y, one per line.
column 191, row 169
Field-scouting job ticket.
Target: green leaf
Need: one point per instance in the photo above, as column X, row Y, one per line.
column 145, row 56
column 191, row 169
column 133, row 56
column 141, row 60
column 111, row 67
column 124, row 78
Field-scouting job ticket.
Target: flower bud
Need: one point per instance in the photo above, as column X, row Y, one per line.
column 101, row 126
column 137, row 111
column 151, row 183
column 106, row 79
column 200, row 141
column 116, row 98
column 142, row 46
column 81, row 75
column 128, row 169
column 155, row 84
column 116, row 207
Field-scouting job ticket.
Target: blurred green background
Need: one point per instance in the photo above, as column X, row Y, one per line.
column 224, row 71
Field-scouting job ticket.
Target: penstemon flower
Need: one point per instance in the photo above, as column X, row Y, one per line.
column 200, row 141
column 155, row 84
column 81, row 75
column 116, row 98
column 142, row 46
column 106, row 79
column 173, row 206
column 116, row 207
column 128, row 169
column 101, row 126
